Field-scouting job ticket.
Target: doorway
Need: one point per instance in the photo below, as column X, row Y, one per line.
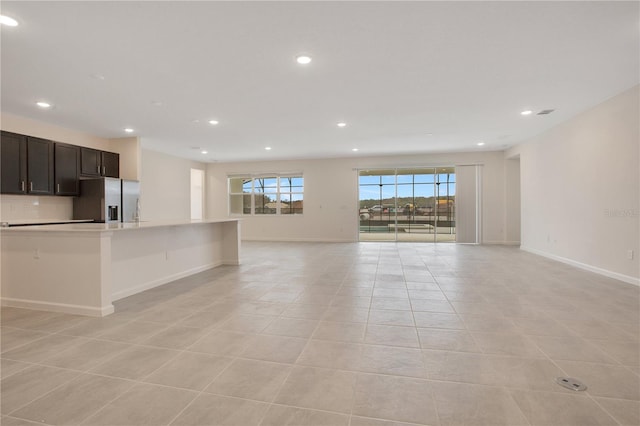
column 416, row 204
column 197, row 194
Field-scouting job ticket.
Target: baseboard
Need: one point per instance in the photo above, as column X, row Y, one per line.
column 58, row 307
column 300, row 240
column 333, row 240
column 164, row 280
column 600, row 271
column 501, row 243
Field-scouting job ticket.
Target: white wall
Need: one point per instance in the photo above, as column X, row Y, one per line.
column 40, row 129
column 165, row 186
column 580, row 185
column 512, row 200
column 130, row 156
column 331, row 200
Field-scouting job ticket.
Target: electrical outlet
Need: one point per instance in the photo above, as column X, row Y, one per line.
column 630, row 254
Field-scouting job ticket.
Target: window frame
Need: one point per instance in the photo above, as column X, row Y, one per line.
column 289, row 191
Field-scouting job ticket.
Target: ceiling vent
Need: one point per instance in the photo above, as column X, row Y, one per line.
column 546, row 111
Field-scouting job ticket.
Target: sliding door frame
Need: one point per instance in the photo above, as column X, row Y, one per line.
column 436, row 191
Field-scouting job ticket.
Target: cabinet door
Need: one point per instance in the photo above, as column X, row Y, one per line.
column 90, row 162
column 67, row 169
column 39, row 166
column 110, row 164
column 13, row 167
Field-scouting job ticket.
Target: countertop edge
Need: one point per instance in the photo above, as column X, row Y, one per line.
column 111, row 227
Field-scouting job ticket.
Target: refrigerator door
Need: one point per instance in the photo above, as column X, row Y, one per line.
column 130, row 200
column 113, row 208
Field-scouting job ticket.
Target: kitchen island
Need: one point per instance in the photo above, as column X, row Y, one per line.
column 81, row 268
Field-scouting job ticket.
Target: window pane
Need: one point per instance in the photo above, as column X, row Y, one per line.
column 266, row 185
column 369, row 180
column 444, row 177
column 405, row 178
column 287, row 183
column 291, row 203
column 239, row 204
column 424, row 178
column 452, row 189
column 239, row 185
column 265, row 204
column 388, row 179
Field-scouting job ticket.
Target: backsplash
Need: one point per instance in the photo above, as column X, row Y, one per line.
column 27, row 207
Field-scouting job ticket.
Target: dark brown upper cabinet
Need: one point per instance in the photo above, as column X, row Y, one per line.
column 30, row 165
column 95, row 163
column 110, row 164
column 67, row 169
column 27, row 165
column 13, row 163
column 39, row 166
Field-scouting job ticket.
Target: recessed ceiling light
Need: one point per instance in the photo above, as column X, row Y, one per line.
column 128, row 130
column 354, row 149
column 268, row 148
column 303, row 59
column 204, row 152
column 6, row 20
column 480, row 143
column 43, row 104
column 156, row 103
column 97, row 76
column 527, row 112
column 341, row 124
column 429, row 134
column 213, row 122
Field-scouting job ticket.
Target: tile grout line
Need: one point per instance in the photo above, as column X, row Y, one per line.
column 293, row 365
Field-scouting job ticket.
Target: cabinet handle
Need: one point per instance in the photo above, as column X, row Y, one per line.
column 22, row 186
column 104, row 170
column 98, row 169
column 58, row 190
column 30, row 186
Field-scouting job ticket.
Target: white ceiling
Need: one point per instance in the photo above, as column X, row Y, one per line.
column 407, row 77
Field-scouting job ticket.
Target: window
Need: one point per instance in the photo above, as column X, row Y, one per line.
column 272, row 194
column 407, row 204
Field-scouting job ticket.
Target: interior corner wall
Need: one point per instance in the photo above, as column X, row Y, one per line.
column 165, row 186
column 331, row 194
column 130, row 156
column 580, row 189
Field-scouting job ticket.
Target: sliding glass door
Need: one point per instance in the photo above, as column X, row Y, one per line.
column 415, row 204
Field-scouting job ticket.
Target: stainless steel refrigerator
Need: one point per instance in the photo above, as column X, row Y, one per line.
column 107, row 200
column 130, row 190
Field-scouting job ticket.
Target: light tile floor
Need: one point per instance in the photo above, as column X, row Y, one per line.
column 339, row 334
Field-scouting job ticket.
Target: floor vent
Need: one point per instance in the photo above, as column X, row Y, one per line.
column 571, row 383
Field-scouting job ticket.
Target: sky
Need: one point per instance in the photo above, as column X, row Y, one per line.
column 423, row 186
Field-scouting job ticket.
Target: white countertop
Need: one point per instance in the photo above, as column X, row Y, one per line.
column 109, row 227
column 43, row 221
